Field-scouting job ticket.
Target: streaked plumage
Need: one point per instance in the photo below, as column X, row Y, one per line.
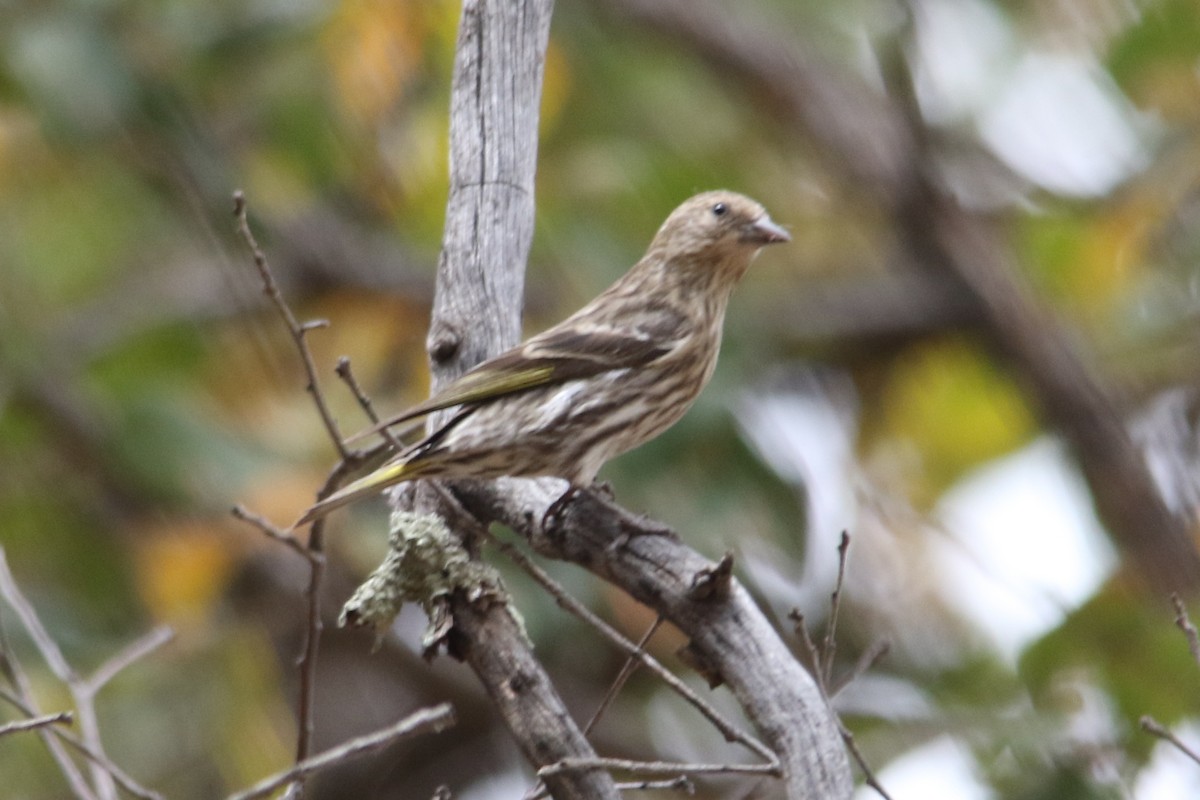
column 610, row 377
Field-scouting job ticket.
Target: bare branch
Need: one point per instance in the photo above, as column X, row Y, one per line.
column 34, row 723
column 829, row 643
column 633, row 651
column 428, row 720
column 133, row 652
column 1185, row 624
column 1155, row 728
column 631, row 663
column 350, row 460
column 680, row 783
column 49, row 650
column 285, row 538
column 731, row 634
column 45, row 644
column 655, row 767
column 487, row 637
column 295, row 328
column 347, row 375
column 122, row 778
column 860, row 759
column 106, row 771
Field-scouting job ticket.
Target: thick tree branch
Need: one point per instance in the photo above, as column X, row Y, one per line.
column 731, row 640
column 494, row 108
column 476, row 315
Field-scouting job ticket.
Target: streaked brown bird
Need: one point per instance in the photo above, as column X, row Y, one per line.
column 610, row 377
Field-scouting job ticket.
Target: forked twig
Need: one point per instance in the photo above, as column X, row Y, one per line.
column 349, row 461
column 105, row 771
column 103, row 784
column 285, row 538
column 631, row 664
column 297, row 330
column 727, row 729
column 62, row 736
column 820, row 658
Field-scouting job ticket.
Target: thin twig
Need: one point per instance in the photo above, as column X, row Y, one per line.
column 347, row 375
column 829, row 644
column 821, row 659
column 860, row 759
column 866, row 662
column 123, row 779
column 811, row 652
column 278, row 534
column 134, row 651
column 16, row 676
column 349, row 461
column 655, row 767
column 1155, row 728
column 315, row 555
column 1185, row 624
column 34, row 723
column 25, row 611
column 573, row 606
column 682, row 783
column 297, row 330
column 85, row 690
column 312, row 642
column 631, row 663
column 432, row 720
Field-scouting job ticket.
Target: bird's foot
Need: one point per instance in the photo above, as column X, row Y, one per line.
column 554, row 512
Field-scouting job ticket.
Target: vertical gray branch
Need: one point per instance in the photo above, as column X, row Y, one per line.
column 489, row 226
column 477, row 314
column 493, row 160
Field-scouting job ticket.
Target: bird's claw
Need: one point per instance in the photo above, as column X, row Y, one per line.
column 554, row 512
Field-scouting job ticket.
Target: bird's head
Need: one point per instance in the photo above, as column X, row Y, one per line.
column 721, row 226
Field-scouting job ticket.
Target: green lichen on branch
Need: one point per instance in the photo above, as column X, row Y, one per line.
column 425, row 564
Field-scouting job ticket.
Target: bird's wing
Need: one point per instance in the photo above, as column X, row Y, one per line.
column 560, row 354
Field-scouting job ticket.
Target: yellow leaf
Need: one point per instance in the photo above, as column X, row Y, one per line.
column 956, row 407
column 373, row 48
column 182, row 569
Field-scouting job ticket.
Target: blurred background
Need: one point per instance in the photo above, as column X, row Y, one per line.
column 870, row 381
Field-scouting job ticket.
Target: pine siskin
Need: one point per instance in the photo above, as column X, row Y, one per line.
column 612, row 376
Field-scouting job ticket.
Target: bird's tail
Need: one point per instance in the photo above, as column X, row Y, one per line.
column 389, row 474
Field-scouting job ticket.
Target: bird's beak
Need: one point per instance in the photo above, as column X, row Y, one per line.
column 764, row 231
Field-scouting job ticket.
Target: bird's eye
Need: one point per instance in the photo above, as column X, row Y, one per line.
column 719, row 209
